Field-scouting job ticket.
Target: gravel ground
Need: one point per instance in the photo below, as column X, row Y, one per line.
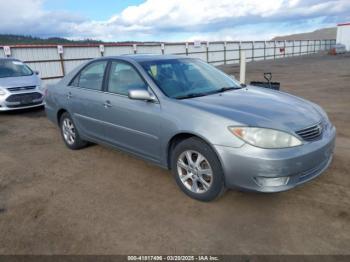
column 100, row 201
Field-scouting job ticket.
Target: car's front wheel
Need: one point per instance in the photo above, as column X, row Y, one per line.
column 70, row 133
column 197, row 170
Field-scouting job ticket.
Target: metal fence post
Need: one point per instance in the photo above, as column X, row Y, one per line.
column 60, row 53
column 135, row 48
column 242, row 66
column 293, row 47
column 102, row 49
column 300, row 47
column 253, row 51
column 239, row 51
column 265, row 50
column 207, row 51
column 314, row 46
column 225, row 53
column 319, row 46
column 274, row 50
column 7, row 51
column 162, row 47
column 186, row 46
column 62, row 65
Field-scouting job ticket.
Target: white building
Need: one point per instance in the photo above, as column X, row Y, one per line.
column 343, row 35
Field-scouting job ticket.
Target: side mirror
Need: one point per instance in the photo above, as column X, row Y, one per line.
column 141, row 94
column 36, row 72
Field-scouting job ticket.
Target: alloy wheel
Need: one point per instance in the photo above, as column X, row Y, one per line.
column 194, row 171
column 68, row 130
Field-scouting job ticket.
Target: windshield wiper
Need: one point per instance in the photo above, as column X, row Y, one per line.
column 223, row 89
column 227, row 88
column 192, row 95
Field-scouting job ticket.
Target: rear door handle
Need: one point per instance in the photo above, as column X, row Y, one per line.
column 69, row 95
column 107, row 104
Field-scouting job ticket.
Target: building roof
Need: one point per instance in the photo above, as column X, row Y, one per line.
column 343, row 24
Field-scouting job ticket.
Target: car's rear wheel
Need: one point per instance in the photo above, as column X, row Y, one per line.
column 70, row 133
column 197, row 170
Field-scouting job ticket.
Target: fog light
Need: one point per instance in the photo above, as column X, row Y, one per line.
column 271, row 181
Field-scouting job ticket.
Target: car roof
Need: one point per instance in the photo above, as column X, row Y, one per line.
column 8, row 59
column 147, row 57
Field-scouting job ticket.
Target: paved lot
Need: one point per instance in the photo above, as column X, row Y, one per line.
column 100, row 201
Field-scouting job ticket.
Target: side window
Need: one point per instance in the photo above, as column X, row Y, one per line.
column 123, row 77
column 91, row 77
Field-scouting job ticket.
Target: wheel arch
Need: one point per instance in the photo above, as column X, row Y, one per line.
column 177, row 138
column 59, row 114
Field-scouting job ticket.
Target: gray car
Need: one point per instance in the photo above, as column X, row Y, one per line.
column 20, row 87
column 187, row 116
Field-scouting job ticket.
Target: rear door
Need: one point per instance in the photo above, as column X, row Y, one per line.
column 86, row 99
column 132, row 124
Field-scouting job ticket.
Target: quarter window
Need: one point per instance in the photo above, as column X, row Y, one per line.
column 123, row 77
column 91, row 77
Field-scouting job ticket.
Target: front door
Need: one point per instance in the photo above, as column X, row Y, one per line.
column 132, row 124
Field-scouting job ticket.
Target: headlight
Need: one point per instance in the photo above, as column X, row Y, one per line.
column 265, row 138
column 40, row 87
column 2, row 92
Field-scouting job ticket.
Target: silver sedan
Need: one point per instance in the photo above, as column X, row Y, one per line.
column 187, row 116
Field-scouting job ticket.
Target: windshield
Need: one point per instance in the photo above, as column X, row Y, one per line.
column 187, row 77
column 13, row 68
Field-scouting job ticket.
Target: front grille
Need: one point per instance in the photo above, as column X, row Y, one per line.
column 21, row 88
column 22, row 105
column 311, row 133
column 24, row 99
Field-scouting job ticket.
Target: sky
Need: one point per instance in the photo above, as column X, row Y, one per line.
column 169, row 20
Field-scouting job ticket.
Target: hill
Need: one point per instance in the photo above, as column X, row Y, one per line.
column 325, row 33
column 23, row 39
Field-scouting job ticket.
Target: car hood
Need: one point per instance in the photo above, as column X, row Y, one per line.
column 261, row 107
column 19, row 81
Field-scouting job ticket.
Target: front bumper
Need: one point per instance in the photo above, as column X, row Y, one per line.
column 21, row 100
column 242, row 166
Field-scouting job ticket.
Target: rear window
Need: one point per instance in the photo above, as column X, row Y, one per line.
column 91, row 77
column 13, row 68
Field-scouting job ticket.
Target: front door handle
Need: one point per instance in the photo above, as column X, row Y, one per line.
column 107, row 104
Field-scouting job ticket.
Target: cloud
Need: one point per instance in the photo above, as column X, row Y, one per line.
column 29, row 17
column 176, row 20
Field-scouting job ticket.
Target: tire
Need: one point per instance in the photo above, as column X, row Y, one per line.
column 70, row 133
column 194, row 177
